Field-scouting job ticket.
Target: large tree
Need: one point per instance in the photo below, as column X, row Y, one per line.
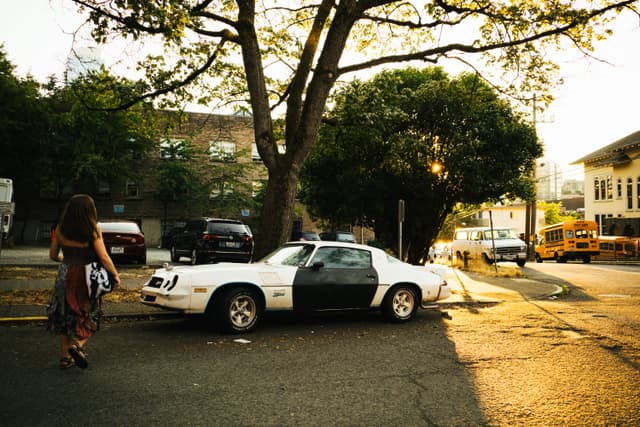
column 291, row 54
column 84, row 143
column 419, row 136
column 22, row 122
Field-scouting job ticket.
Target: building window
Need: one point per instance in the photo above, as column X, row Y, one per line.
column 104, row 189
column 619, row 188
column 596, row 188
column 173, row 148
column 132, row 190
column 222, row 151
column 609, row 187
column 638, row 193
column 629, row 193
column 255, row 156
column 221, row 189
column 603, row 189
column 256, row 188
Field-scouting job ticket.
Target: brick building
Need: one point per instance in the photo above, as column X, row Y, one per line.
column 221, row 143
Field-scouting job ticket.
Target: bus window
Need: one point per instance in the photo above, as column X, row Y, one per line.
column 569, row 234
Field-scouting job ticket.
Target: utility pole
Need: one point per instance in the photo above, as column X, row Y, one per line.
column 400, row 221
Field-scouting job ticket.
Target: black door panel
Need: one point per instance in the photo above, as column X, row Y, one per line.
column 340, row 279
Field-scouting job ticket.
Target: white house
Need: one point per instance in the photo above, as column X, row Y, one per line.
column 512, row 216
column 612, row 186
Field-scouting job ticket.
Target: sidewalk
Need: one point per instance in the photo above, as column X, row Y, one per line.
column 467, row 288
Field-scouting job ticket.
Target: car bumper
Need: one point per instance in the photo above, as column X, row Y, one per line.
column 179, row 301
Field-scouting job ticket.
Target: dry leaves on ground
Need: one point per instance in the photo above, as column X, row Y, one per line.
column 41, row 296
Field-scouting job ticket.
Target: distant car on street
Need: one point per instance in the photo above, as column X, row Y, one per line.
column 304, row 235
column 478, row 243
column 298, row 276
column 213, row 239
column 338, row 236
column 440, row 251
column 124, row 241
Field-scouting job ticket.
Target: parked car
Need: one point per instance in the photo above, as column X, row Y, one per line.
column 440, row 251
column 298, row 276
column 478, row 243
column 338, row 236
column 124, row 241
column 167, row 238
column 213, row 239
column 304, row 235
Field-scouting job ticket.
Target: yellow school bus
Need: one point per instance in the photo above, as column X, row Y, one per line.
column 568, row 240
column 618, row 247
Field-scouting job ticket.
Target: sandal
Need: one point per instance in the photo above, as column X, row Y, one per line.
column 79, row 356
column 66, row 362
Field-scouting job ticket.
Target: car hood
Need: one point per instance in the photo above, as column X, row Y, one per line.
column 212, row 274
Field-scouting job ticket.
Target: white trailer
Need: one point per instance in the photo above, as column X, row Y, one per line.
column 6, row 205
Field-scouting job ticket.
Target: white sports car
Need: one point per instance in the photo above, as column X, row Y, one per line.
column 300, row 276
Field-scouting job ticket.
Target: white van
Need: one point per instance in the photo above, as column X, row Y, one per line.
column 477, row 243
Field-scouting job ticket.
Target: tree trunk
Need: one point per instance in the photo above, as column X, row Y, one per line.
column 277, row 211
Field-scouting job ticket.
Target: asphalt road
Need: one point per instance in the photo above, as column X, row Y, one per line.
column 572, row 360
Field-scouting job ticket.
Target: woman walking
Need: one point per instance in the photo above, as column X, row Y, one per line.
column 72, row 314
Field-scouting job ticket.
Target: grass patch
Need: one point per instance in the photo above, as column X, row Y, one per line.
column 506, row 270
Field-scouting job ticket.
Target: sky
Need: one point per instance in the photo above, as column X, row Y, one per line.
column 597, row 105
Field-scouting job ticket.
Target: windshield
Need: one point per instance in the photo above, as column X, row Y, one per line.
column 215, row 227
column 290, row 255
column 501, row 234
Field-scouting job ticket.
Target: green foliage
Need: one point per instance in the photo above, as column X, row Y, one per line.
column 22, row 121
column 554, row 215
column 384, row 137
column 86, row 142
column 56, row 137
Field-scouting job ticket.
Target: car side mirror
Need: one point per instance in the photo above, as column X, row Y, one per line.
column 317, row 265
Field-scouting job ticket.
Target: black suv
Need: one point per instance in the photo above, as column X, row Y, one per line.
column 338, row 236
column 213, row 239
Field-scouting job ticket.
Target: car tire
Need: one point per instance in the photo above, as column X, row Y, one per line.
column 238, row 311
column 400, row 304
column 174, row 256
column 142, row 260
column 521, row 262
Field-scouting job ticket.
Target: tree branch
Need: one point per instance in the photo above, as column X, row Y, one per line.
column 176, row 85
column 431, row 55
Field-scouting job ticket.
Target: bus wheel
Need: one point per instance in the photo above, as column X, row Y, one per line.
column 561, row 259
column 538, row 259
column 586, row 259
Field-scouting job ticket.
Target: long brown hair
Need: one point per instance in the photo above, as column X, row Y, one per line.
column 79, row 220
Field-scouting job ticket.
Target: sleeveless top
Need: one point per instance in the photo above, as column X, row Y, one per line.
column 75, row 255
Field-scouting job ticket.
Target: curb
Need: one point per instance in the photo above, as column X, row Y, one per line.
column 25, row 319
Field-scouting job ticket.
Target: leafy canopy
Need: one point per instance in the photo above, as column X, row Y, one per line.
column 420, row 136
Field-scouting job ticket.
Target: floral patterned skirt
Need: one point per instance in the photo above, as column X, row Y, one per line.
column 70, row 311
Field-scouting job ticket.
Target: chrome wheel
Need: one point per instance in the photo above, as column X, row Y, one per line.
column 242, row 311
column 238, row 309
column 400, row 304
